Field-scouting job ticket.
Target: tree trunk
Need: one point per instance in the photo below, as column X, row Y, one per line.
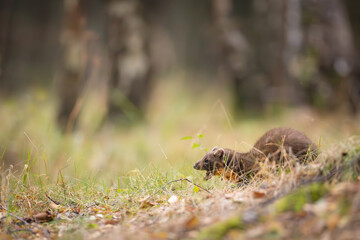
column 353, row 12
column 330, row 39
column 236, row 58
column 73, row 63
column 259, row 65
column 129, row 57
column 7, row 11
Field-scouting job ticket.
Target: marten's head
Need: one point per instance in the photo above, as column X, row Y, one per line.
column 212, row 162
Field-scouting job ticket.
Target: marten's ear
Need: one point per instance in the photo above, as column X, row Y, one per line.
column 214, row 149
column 219, row 153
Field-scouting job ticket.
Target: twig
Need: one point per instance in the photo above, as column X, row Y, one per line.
column 52, row 200
column 178, row 180
column 18, row 218
column 22, row 230
column 195, row 185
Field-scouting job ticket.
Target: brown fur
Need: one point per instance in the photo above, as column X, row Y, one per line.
column 233, row 165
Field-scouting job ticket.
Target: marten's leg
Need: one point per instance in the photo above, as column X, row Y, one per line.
column 208, row 175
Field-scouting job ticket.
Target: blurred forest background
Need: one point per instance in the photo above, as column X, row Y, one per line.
column 152, row 70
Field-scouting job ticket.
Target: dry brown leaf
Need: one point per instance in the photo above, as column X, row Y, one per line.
column 146, row 204
column 257, row 194
column 76, row 209
column 112, row 221
column 191, row 223
column 54, row 205
column 333, row 221
column 42, row 217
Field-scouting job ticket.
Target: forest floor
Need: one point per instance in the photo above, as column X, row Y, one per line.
column 320, row 200
column 117, row 180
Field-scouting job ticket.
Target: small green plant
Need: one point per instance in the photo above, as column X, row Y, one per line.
column 196, row 141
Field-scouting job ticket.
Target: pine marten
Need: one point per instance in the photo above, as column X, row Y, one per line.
column 235, row 165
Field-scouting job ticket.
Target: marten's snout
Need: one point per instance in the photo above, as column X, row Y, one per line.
column 200, row 165
column 196, row 166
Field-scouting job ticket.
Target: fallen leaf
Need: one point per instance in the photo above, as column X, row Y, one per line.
column 257, row 194
column 146, row 202
column 42, row 217
column 54, row 205
column 333, row 221
column 76, row 210
column 191, row 223
column 112, row 221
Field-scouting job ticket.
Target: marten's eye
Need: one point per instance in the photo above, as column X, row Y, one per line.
column 206, row 161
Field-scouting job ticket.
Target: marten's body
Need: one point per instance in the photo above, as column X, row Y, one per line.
column 232, row 165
